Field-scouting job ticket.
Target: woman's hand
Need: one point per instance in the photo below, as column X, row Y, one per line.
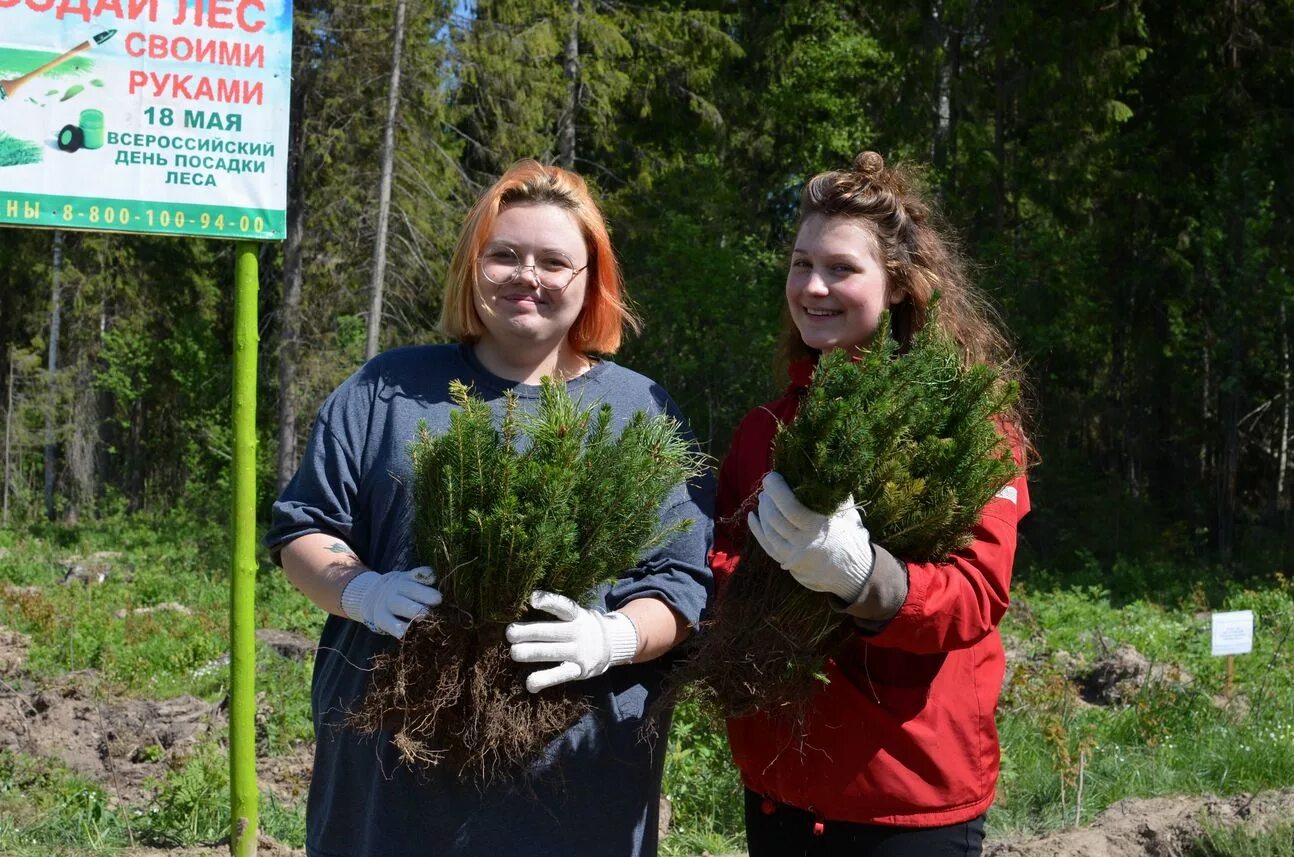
column 585, row 643
column 387, row 603
column 826, row 553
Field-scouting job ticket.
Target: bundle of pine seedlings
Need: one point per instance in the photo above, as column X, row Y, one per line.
column 554, row 500
column 915, row 438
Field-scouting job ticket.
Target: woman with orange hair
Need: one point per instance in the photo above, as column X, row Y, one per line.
column 534, row 290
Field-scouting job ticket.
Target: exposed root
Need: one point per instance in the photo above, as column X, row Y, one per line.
column 765, row 649
column 451, row 696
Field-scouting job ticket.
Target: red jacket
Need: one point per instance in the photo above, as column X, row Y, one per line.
column 904, row 733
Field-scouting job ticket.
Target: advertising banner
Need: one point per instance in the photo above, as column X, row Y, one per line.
column 152, row 116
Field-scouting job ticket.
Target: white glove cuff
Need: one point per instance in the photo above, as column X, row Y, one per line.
column 855, row 577
column 352, row 597
column 622, row 638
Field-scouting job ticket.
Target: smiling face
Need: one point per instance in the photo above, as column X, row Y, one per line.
column 837, row 287
column 522, row 314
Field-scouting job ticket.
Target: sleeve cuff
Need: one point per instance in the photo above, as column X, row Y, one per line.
column 882, row 597
column 685, row 594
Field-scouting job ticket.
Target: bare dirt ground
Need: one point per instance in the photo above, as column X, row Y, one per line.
column 123, row 744
column 1150, row 827
column 265, row 847
column 1154, row 827
column 120, row 744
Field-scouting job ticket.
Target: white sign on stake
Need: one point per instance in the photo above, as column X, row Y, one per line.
column 1233, row 633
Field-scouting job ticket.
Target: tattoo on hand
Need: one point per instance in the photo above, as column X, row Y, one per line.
column 340, row 547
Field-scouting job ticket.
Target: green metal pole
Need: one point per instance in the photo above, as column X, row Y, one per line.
column 242, row 603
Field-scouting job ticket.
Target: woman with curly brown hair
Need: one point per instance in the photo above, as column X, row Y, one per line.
column 899, row 753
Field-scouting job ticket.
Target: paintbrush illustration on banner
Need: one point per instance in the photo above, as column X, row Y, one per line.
column 9, row 87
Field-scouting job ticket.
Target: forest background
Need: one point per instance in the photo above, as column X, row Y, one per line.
column 1119, row 174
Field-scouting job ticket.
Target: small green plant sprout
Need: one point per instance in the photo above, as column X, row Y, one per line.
column 552, row 500
column 917, row 438
column 559, row 499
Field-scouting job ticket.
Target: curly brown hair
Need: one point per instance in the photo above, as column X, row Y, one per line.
column 920, row 259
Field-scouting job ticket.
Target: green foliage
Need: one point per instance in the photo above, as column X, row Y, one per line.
column 688, row 276
column 825, row 76
column 1176, row 735
column 1130, row 219
column 637, row 65
column 190, row 805
column 283, row 712
column 1224, row 841
column 572, row 509
column 913, row 438
column 46, row 809
column 192, row 802
column 703, row 787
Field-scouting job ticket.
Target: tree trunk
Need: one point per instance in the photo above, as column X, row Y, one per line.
column 83, row 443
column 1234, row 188
column 1231, row 385
column 136, row 478
column 377, row 281
column 55, row 323
column 1206, row 367
column 947, row 40
column 999, row 119
column 1118, row 424
column 8, row 423
column 566, row 127
column 290, row 311
column 1282, row 501
column 1229, row 463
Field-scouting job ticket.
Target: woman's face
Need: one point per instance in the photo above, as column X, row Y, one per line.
column 837, row 287
column 523, row 312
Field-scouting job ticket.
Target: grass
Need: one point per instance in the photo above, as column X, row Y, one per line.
column 1170, row 739
column 192, row 806
column 45, row 809
column 703, row 787
column 1277, row 841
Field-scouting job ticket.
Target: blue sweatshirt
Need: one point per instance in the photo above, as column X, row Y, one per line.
column 596, row 791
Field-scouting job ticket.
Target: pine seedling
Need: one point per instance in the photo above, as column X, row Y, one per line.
column 915, row 439
column 557, row 499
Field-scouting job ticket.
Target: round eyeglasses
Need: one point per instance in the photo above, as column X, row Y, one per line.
column 553, row 271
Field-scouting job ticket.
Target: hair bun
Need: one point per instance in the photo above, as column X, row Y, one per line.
column 869, row 164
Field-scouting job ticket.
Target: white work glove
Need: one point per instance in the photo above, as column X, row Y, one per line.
column 826, row 553
column 387, row 603
column 584, row 642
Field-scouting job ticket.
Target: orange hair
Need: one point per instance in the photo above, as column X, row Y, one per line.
column 606, row 312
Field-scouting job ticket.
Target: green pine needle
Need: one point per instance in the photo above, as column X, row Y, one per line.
column 915, row 439
column 553, row 500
